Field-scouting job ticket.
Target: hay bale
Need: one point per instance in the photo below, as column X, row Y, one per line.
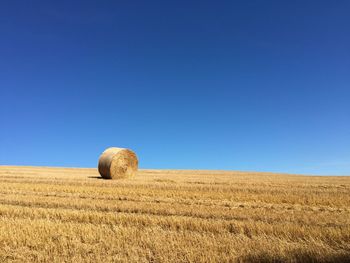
column 115, row 163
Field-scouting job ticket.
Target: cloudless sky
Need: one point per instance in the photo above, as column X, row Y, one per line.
column 236, row 85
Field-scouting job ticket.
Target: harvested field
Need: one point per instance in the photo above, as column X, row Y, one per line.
column 61, row 214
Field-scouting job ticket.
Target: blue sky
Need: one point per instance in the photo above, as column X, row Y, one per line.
column 235, row 85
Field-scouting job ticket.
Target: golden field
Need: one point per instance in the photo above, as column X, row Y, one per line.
column 71, row 215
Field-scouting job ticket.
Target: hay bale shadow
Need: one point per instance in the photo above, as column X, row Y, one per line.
column 97, row 177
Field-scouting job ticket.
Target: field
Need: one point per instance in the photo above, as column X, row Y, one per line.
column 71, row 215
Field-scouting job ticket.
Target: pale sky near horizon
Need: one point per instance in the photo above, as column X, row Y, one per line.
column 229, row 85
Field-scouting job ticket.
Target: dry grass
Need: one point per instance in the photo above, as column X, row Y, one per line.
column 58, row 215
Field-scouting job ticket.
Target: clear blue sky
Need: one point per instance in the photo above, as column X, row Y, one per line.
column 238, row 85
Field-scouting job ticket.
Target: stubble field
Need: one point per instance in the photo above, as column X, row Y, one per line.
column 70, row 215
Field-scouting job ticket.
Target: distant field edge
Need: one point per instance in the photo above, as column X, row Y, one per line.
column 170, row 171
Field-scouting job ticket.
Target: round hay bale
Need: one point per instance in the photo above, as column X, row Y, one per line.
column 115, row 163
